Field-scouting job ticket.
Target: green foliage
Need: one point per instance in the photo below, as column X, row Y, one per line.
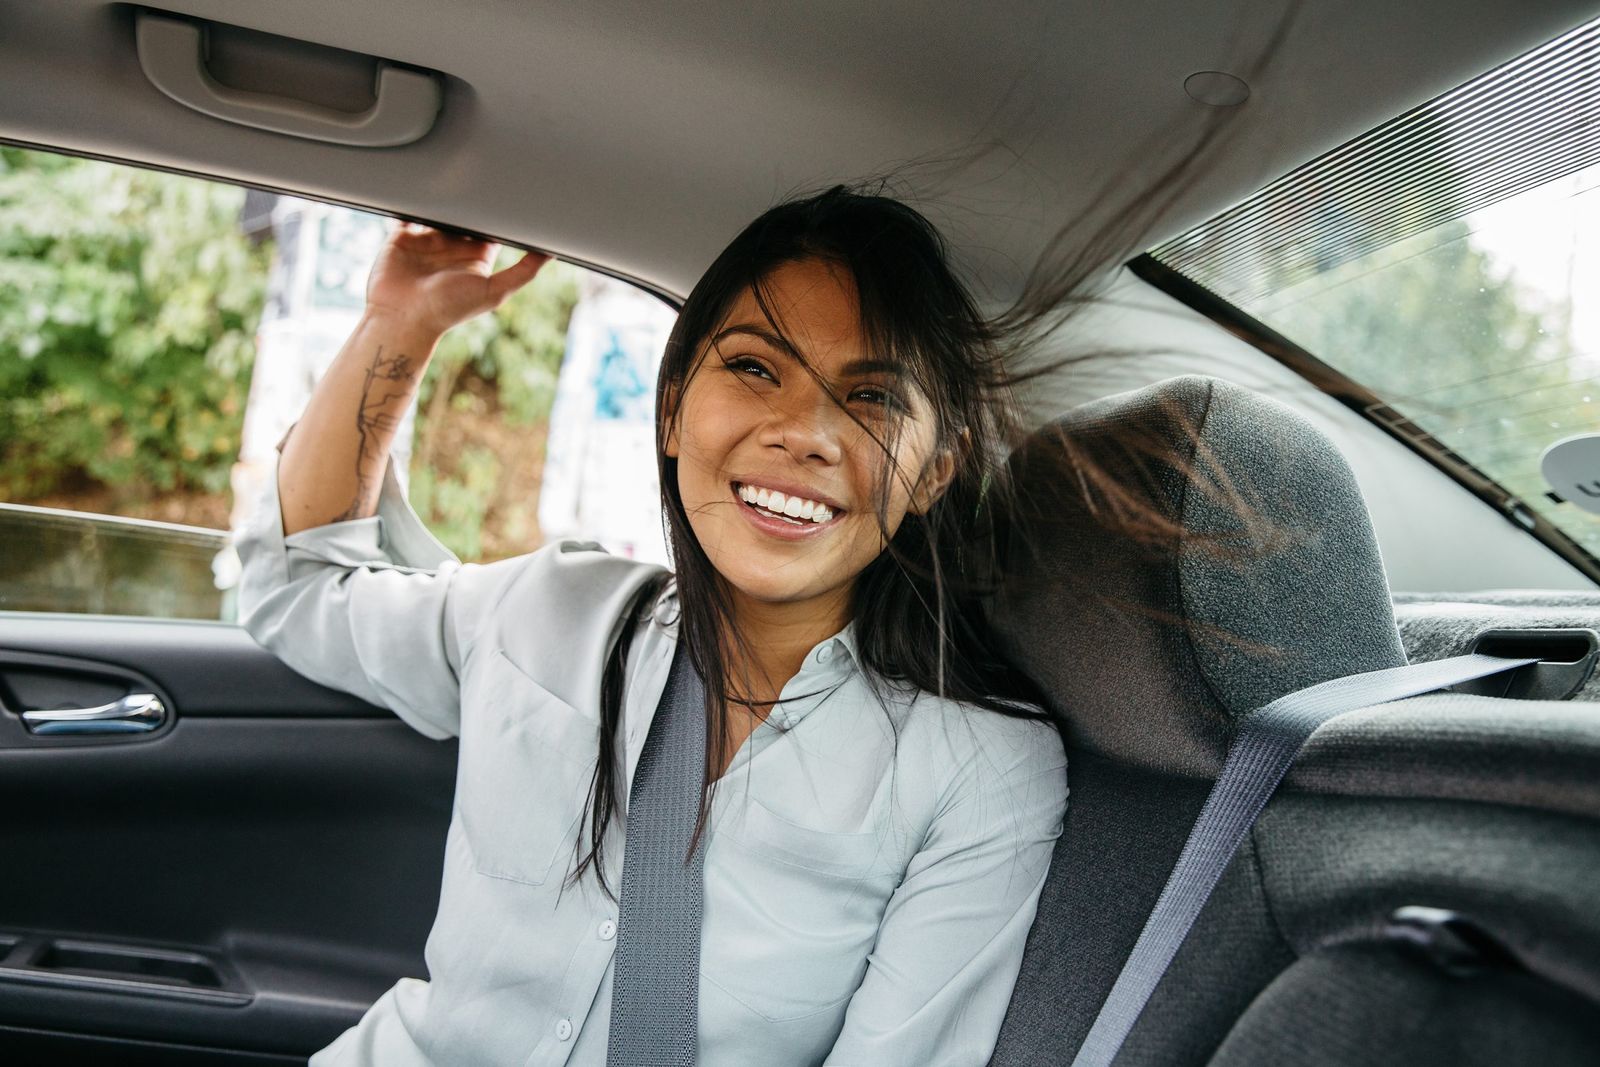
column 518, row 347
column 456, row 504
column 1435, row 328
column 128, row 304
column 1453, row 342
column 129, row 301
column 518, row 351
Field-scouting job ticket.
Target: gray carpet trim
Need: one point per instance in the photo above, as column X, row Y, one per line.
column 1525, row 598
column 1451, row 746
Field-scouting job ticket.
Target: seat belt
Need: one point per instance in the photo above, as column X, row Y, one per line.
column 655, row 990
column 1268, row 741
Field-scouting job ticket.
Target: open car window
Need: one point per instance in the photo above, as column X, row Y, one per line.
column 159, row 333
column 1442, row 272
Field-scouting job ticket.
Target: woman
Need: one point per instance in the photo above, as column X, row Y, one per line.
column 879, row 796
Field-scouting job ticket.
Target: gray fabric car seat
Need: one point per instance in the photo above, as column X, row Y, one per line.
column 1430, row 869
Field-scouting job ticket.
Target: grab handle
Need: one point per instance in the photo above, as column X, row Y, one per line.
column 172, row 53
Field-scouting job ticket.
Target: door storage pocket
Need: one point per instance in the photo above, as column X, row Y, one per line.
column 527, row 760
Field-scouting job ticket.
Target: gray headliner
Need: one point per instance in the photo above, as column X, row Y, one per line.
column 640, row 136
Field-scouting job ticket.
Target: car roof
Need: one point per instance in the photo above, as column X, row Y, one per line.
column 640, row 137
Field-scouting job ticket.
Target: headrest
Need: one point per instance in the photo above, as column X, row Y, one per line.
column 1183, row 554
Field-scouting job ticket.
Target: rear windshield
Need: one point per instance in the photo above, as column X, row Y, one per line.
column 1448, row 261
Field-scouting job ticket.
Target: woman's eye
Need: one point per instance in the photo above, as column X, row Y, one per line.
column 748, row 366
column 883, row 398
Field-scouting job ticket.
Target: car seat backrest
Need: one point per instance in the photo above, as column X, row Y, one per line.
column 1151, row 647
column 1269, row 582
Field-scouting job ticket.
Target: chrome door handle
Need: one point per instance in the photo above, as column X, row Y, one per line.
column 134, row 713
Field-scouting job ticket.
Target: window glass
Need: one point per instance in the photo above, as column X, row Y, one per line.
column 1449, row 261
column 1483, row 332
column 159, row 334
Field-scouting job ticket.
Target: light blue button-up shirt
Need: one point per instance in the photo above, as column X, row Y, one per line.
column 872, row 866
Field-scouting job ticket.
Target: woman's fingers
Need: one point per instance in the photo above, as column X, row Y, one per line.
column 503, row 283
column 452, row 268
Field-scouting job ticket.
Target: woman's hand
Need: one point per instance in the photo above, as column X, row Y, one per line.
column 431, row 280
column 425, row 281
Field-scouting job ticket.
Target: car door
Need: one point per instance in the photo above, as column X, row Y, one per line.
column 227, row 857
column 209, row 858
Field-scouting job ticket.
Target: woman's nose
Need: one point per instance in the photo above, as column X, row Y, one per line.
column 810, row 427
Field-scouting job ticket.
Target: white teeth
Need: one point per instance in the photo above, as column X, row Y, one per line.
column 793, row 507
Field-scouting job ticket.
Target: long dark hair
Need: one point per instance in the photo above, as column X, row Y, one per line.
column 917, row 607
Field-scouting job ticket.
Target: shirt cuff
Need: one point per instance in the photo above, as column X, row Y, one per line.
column 395, row 535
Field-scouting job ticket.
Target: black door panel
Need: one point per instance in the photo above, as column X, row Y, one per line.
column 250, row 877
column 211, row 669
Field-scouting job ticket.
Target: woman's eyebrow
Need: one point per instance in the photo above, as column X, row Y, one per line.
column 760, row 333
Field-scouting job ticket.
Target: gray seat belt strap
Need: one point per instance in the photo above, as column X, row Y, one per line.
column 655, row 988
column 1268, row 741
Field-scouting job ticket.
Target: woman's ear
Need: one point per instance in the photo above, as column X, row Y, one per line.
column 934, row 481
column 938, row 474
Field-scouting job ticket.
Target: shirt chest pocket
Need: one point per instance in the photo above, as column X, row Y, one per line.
column 800, row 907
column 527, row 761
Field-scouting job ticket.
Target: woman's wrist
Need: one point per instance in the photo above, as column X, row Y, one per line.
column 400, row 331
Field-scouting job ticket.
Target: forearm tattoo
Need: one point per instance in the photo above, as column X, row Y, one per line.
column 383, row 399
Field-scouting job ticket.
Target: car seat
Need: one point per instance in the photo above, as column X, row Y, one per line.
column 1425, row 886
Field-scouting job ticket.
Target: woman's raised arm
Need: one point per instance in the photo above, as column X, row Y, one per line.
column 424, row 282
column 341, row 581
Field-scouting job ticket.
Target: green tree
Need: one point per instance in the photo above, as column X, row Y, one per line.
column 1449, row 338
column 128, row 306
column 1434, row 327
column 129, row 301
column 485, row 406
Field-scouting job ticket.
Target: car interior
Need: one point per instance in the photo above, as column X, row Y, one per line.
column 244, row 860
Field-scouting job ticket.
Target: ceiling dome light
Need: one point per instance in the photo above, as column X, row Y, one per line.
column 1215, row 88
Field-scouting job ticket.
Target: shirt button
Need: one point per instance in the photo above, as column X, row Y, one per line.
column 607, row 931
column 564, row 1030
column 825, row 653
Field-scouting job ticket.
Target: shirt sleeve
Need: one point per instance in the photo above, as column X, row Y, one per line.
column 949, row 948
column 376, row 607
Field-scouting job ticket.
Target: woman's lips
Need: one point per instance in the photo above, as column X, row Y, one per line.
column 786, row 498
column 783, row 527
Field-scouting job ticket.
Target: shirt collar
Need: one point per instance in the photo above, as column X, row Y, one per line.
column 665, row 611
column 828, row 663
column 838, row 652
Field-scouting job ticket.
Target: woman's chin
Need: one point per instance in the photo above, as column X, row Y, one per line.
column 772, row 587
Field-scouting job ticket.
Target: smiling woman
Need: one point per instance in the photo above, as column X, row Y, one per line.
column 809, row 711
column 797, row 415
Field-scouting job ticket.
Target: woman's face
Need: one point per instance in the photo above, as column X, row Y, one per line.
column 778, row 480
